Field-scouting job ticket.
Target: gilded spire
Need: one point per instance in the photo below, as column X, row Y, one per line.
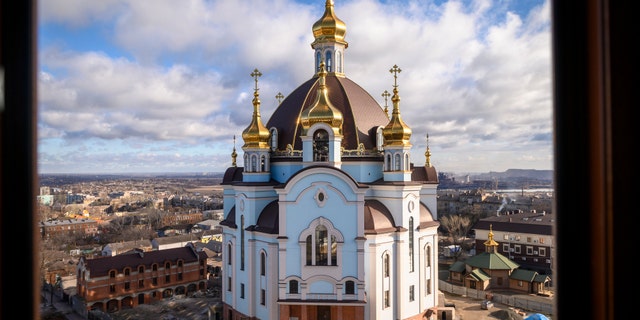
column 329, row 28
column 396, row 133
column 256, row 135
column 490, row 244
column 322, row 110
column 386, row 95
column 234, row 154
column 427, row 154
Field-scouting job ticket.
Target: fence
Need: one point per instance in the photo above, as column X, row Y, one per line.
column 520, row 301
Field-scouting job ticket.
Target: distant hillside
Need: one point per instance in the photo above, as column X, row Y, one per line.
column 516, row 174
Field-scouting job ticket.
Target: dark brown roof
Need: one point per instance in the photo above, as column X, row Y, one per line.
column 360, row 111
column 377, row 218
column 232, row 174
column 230, row 220
column 99, row 267
column 268, row 221
column 424, row 174
column 528, row 222
column 426, row 219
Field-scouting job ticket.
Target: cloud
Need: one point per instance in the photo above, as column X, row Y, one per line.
column 475, row 75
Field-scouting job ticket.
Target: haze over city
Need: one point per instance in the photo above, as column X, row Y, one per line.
column 134, row 86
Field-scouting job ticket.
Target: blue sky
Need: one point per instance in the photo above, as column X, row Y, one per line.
column 163, row 86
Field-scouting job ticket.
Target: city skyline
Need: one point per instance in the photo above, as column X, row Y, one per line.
column 126, row 87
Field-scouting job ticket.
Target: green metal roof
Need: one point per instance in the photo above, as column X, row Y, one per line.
column 491, row 261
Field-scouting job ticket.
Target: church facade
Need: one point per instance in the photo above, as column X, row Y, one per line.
column 327, row 218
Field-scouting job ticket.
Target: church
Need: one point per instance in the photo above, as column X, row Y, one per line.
column 327, row 217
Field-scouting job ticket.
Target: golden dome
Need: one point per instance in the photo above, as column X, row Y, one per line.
column 329, row 28
column 396, row 132
column 322, row 110
column 256, row 135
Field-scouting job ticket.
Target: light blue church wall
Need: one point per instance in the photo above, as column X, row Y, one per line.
column 364, row 171
column 282, row 171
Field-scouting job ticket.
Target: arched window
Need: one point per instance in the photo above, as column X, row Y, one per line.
column 274, row 138
column 141, row 269
column 388, row 163
column 411, row 265
column 322, row 242
column 229, row 253
column 254, row 164
column 349, row 287
column 338, row 61
column 263, row 264
column 318, row 60
column 427, row 254
column 397, row 162
column 263, row 164
column 167, row 266
column 406, row 162
column 293, row 286
column 328, row 60
column 321, row 145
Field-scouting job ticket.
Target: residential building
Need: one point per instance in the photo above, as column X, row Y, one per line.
column 328, row 219
column 525, row 237
column 70, row 227
column 491, row 270
column 112, row 283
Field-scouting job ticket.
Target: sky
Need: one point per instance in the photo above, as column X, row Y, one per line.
column 148, row 86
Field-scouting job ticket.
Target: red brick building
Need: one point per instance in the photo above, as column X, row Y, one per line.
column 125, row 281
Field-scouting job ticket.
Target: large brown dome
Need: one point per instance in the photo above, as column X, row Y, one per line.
column 362, row 114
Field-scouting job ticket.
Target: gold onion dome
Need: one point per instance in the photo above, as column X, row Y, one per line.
column 396, row 132
column 322, row 110
column 490, row 242
column 329, row 28
column 256, row 135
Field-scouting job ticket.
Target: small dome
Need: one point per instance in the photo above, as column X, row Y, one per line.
column 396, row 132
column 256, row 135
column 329, row 28
column 322, row 110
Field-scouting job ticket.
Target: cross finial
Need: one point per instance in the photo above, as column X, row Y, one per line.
column 386, row 95
column 279, row 96
column 234, row 154
column 256, row 74
column 395, row 70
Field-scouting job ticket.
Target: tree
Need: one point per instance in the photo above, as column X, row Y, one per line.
column 457, row 227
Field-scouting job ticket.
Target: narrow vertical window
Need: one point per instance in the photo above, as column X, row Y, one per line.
column 338, row 61
column 398, row 162
column 229, row 252
column 309, row 250
column 385, row 265
column 412, row 293
column 242, row 242
column 263, row 264
column 322, row 242
column 328, row 59
column 334, row 251
column 411, row 265
column 318, row 60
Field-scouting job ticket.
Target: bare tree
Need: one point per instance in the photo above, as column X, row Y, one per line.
column 457, row 227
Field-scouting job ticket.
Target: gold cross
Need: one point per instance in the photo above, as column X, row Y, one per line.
column 279, row 96
column 395, row 70
column 386, row 95
column 256, row 74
